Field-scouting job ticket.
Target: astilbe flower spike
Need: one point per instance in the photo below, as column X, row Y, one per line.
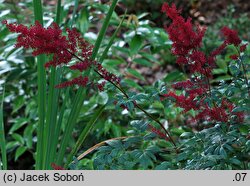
column 51, row 41
column 43, row 41
column 187, row 41
column 231, row 36
column 181, row 32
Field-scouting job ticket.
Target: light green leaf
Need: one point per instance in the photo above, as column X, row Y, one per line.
column 28, row 135
column 174, row 76
column 132, row 83
column 135, row 44
column 135, row 74
column 19, row 122
column 19, row 152
column 18, row 138
column 143, row 62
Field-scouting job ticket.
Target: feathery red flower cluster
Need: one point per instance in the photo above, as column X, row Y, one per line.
column 181, row 32
column 220, row 113
column 231, row 36
column 51, row 41
column 186, row 102
column 43, row 41
column 195, row 101
column 187, row 41
column 158, row 132
column 186, row 47
column 107, row 75
column 81, row 81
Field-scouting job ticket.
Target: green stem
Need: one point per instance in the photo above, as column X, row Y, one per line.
column 2, row 137
column 74, row 13
column 84, row 134
column 41, row 92
column 244, row 71
column 58, row 127
column 78, row 100
column 51, row 115
column 58, row 12
column 41, row 110
column 126, row 95
column 80, row 95
column 103, row 29
column 111, row 41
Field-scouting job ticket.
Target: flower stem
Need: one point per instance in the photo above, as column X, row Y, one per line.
column 126, row 95
column 244, row 70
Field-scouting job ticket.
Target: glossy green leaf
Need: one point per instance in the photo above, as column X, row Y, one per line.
column 135, row 44
column 18, row 138
column 143, row 62
column 18, row 123
column 174, row 76
column 135, row 73
column 20, row 150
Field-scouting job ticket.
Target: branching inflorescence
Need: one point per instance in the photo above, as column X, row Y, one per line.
column 187, row 41
column 51, row 41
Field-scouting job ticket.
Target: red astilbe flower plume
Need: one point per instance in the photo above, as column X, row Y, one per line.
column 185, row 102
column 181, row 32
column 51, row 41
column 194, row 99
column 183, row 84
column 187, row 40
column 216, row 52
column 195, row 87
column 231, row 36
column 220, row 113
column 107, row 75
column 101, row 85
column 234, row 57
column 43, row 41
column 81, row 66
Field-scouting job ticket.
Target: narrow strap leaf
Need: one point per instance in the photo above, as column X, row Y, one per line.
column 85, row 133
column 2, row 137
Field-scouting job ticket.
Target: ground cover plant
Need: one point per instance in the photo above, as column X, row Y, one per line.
column 85, row 102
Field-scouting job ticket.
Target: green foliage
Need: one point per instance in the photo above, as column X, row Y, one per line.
column 132, row 47
column 215, row 148
column 127, row 155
